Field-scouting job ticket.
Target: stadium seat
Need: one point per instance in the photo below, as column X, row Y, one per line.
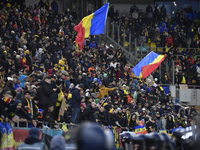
column 146, row 44
column 196, row 37
column 153, row 44
column 167, row 49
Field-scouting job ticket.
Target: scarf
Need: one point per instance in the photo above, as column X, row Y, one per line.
column 60, row 97
column 6, row 100
column 166, row 77
column 128, row 118
column 30, row 104
column 24, row 60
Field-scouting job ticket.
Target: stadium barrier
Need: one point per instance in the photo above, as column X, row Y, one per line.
column 12, row 137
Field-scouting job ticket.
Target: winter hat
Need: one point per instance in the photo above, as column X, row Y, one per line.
column 93, row 95
column 19, row 89
column 97, row 100
column 34, row 132
column 57, row 143
column 81, row 85
column 153, row 107
column 58, row 82
column 104, row 75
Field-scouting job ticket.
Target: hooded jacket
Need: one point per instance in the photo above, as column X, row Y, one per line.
column 57, row 143
column 22, row 77
column 104, row 91
column 23, row 39
column 76, row 99
column 44, row 93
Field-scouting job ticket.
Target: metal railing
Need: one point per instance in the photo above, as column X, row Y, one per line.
column 42, row 124
column 129, row 56
column 132, row 43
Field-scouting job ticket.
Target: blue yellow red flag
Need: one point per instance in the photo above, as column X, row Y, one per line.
column 140, row 130
column 148, row 64
column 92, row 24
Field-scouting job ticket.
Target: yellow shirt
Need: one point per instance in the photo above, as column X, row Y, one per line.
column 62, row 63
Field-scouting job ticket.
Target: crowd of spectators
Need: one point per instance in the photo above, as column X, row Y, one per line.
column 155, row 25
column 41, row 65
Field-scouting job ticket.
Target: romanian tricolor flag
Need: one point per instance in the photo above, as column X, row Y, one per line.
column 92, row 24
column 140, row 130
column 6, row 100
column 148, row 64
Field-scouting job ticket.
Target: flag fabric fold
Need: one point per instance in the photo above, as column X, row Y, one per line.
column 92, row 24
column 148, row 64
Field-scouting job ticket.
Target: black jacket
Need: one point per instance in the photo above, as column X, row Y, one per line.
column 113, row 119
column 2, row 109
column 87, row 114
column 132, row 124
column 102, row 118
column 35, row 110
column 44, row 93
column 21, row 112
column 170, row 124
column 54, row 95
column 48, row 118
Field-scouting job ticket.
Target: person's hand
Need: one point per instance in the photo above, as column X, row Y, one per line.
column 15, row 119
column 34, row 123
column 55, row 89
column 27, row 108
column 97, row 120
column 55, row 121
column 71, row 123
column 24, row 120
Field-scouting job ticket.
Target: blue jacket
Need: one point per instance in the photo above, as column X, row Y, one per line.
column 22, row 77
column 67, row 83
column 16, row 85
column 162, row 29
column 135, row 84
column 76, row 99
column 161, row 111
column 92, row 45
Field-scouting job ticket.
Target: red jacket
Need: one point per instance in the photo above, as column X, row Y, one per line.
column 22, row 63
column 118, row 74
column 169, row 41
column 36, row 18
